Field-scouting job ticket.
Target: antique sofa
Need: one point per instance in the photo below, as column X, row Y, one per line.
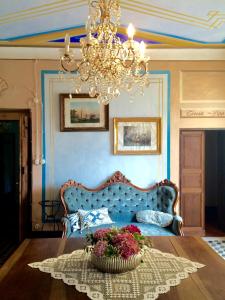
column 123, row 200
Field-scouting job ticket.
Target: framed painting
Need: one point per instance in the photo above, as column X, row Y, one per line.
column 80, row 112
column 137, row 135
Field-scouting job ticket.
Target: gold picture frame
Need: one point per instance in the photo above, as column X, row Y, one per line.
column 80, row 112
column 137, row 135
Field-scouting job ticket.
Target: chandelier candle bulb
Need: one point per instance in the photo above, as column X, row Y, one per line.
column 142, row 50
column 67, row 43
column 130, row 31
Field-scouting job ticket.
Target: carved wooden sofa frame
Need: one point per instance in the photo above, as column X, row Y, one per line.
column 116, row 190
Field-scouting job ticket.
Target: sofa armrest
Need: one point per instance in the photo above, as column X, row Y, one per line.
column 66, row 227
column 176, row 225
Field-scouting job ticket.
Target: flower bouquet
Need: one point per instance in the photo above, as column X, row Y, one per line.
column 117, row 250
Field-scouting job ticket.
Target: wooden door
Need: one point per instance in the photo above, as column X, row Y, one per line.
column 22, row 157
column 192, row 181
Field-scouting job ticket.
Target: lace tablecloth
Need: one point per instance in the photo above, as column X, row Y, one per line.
column 158, row 272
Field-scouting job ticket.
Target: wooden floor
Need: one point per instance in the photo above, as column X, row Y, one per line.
column 211, row 229
column 211, row 223
column 7, row 247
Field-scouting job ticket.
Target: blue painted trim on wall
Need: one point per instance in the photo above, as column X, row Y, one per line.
column 168, row 125
column 45, row 72
column 43, row 141
column 168, row 117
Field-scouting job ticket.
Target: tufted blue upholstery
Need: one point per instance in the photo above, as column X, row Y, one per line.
column 146, row 229
column 123, row 201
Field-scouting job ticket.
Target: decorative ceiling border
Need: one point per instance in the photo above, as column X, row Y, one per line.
column 214, row 18
column 167, row 41
column 41, row 10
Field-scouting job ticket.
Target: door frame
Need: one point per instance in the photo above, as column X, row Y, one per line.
column 25, row 167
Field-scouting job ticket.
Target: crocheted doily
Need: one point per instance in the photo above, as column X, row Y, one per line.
column 158, row 272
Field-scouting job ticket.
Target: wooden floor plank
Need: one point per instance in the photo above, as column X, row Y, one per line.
column 194, row 276
column 13, row 259
column 206, row 277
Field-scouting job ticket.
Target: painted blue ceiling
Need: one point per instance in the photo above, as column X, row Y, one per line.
column 194, row 20
column 123, row 38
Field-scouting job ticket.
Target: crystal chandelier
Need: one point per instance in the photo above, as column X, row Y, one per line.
column 108, row 65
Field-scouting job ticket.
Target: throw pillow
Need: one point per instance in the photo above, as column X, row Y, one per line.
column 95, row 217
column 74, row 221
column 154, row 217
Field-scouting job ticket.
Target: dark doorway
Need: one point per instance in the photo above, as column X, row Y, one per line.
column 9, row 179
column 15, row 180
column 215, row 182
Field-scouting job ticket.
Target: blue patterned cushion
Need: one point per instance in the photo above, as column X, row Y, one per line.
column 74, row 221
column 95, row 217
column 154, row 217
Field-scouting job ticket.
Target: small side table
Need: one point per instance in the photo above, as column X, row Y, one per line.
column 52, row 212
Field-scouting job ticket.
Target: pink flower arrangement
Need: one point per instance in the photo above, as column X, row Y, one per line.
column 124, row 242
column 100, row 248
column 101, row 233
column 132, row 229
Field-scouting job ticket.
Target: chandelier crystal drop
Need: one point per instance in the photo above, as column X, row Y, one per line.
column 108, row 65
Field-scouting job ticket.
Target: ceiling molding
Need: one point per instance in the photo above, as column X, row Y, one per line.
column 41, row 10
column 213, row 18
column 154, row 54
column 166, row 41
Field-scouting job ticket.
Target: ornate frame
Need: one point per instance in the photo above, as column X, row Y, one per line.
column 103, row 111
column 120, row 148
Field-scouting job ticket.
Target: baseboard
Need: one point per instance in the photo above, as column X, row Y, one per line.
column 192, row 231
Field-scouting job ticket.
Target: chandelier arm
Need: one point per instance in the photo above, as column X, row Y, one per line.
column 82, row 78
column 70, row 59
column 131, row 62
column 117, row 53
column 85, row 79
column 64, row 69
column 94, row 4
column 141, row 74
column 104, row 11
column 110, row 3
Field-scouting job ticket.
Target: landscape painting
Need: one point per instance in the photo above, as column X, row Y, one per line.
column 137, row 135
column 80, row 112
column 84, row 112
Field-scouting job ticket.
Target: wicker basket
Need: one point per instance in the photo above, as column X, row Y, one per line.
column 116, row 264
